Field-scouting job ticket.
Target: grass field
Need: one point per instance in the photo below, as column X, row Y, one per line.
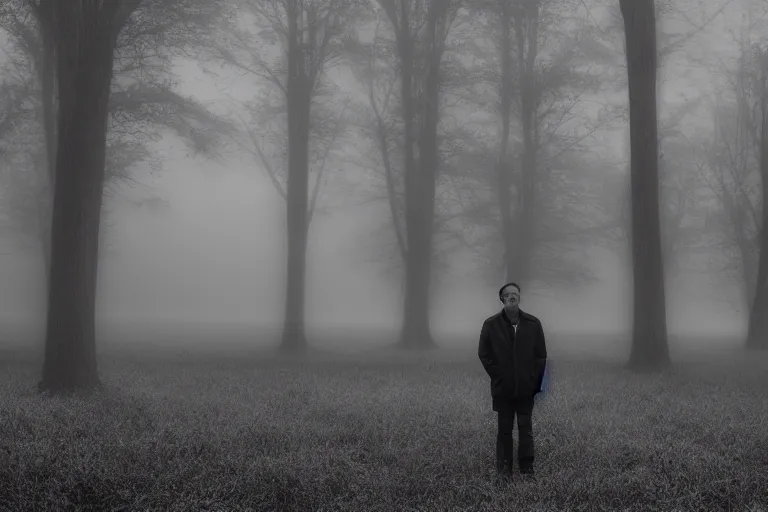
column 380, row 431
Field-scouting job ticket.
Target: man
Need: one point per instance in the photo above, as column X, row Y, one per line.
column 514, row 354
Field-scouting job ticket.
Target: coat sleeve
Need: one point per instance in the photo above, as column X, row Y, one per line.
column 486, row 354
column 540, row 356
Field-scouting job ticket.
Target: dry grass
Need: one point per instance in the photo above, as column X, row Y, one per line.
column 373, row 433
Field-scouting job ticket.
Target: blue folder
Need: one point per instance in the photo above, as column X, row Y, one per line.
column 545, row 378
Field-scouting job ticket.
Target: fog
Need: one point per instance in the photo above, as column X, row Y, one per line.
column 214, row 260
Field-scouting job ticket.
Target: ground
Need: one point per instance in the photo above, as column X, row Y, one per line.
column 380, row 431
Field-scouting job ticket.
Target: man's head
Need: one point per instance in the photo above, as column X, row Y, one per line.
column 509, row 295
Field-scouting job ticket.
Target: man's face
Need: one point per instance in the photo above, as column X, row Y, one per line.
column 511, row 299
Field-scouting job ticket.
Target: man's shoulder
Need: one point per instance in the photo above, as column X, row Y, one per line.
column 529, row 317
column 492, row 318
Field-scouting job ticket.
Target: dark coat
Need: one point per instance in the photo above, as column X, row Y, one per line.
column 516, row 370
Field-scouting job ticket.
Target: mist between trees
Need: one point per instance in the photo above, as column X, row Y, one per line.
column 522, row 138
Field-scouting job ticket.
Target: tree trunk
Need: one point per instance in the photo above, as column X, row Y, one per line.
column 748, row 275
column 46, row 74
column 48, row 87
column 416, row 330
column 522, row 235
column 503, row 169
column 649, row 334
column 297, row 192
column 420, row 206
column 526, row 33
column 757, row 331
column 84, row 58
column 423, row 83
column 45, row 219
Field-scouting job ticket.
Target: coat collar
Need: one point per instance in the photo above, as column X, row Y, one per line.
column 522, row 315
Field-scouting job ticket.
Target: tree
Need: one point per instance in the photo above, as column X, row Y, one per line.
column 724, row 158
column 757, row 333
column 679, row 199
column 307, row 39
column 143, row 103
column 15, row 115
column 265, row 137
column 684, row 207
column 728, row 166
column 649, row 333
column 750, row 85
column 420, row 31
column 536, row 73
column 684, row 199
column 14, row 101
column 84, row 40
column 730, row 160
column 84, row 37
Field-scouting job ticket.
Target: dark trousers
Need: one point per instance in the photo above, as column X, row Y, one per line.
column 522, row 408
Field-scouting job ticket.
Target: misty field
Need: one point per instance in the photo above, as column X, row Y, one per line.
column 380, row 431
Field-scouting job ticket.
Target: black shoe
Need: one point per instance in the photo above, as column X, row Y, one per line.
column 527, row 471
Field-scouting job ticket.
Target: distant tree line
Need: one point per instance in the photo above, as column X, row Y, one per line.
column 477, row 116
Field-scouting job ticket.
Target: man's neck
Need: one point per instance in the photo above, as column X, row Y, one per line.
column 513, row 317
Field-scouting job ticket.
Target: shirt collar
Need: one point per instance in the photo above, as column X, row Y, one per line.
column 506, row 318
